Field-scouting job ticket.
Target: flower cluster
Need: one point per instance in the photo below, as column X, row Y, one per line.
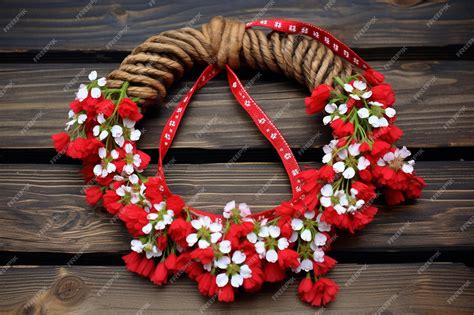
column 362, row 159
column 241, row 250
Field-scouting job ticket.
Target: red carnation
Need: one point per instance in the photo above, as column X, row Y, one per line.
column 322, row 268
column 383, row 93
column 318, row 99
column 135, row 219
column 226, row 294
column 373, row 77
column 341, row 129
column 325, row 291
column 160, row 275
column 207, row 284
column 179, row 230
column 129, row 109
column 273, row 272
column 175, row 203
column 379, row 148
column 139, row 263
column 305, row 286
column 204, row 255
column 288, row 258
column 326, row 173
column 93, row 195
column 153, row 192
column 255, row 282
column 60, row 141
column 112, row 202
column 105, row 107
column 171, row 262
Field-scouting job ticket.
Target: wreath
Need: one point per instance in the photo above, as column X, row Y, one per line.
column 239, row 249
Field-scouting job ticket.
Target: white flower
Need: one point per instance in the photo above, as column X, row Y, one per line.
column 322, row 226
column 273, row 232
column 82, row 93
column 101, row 82
column 133, row 160
column 117, row 133
column 105, row 167
column 348, row 171
column 360, row 85
column 92, row 75
column 328, row 150
column 363, row 113
column 399, row 155
column 204, row 223
column 244, row 210
column 95, row 92
column 306, row 265
column 225, row 246
column 318, row 255
column 320, row 239
column 137, row 246
column 377, row 122
column 237, row 277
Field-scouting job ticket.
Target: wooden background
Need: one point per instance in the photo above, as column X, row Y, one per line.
column 59, row 256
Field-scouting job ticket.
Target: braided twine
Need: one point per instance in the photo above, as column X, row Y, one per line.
column 154, row 65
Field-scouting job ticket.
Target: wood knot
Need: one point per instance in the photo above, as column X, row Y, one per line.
column 70, row 289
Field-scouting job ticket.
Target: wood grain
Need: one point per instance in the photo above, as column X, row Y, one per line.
column 42, row 208
column 387, row 289
column 121, row 25
column 433, row 101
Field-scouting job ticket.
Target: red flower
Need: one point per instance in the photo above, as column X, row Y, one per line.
column 139, row 263
column 60, row 141
column 288, row 258
column 325, row 291
column 226, row 294
column 255, row 282
column 152, row 191
column 93, row 195
column 192, row 268
column 379, row 148
column 389, row 134
column 112, row 202
column 322, row 268
column 175, row 203
column 318, row 99
column 160, row 275
column 204, row 255
column 326, row 173
column 135, row 219
column 171, row 262
column 341, row 129
column 207, row 284
column 364, row 191
column 105, row 107
column 129, row 109
column 76, row 106
column 373, row 77
column 306, row 285
column 179, row 230
column 383, row 93
column 273, row 272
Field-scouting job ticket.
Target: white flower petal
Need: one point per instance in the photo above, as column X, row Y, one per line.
column 117, row 131
column 339, row 167
column 238, row 257
column 327, row 190
column 296, row 224
column 252, row 237
column 92, row 75
column 362, row 163
column 407, row 168
column 135, row 135
column 215, row 237
column 223, row 262
column 274, row 231
column 245, row 271
column 330, row 108
column 348, row 88
column 363, row 113
column 390, row 112
column 225, row 246
column 236, row 280
column 95, row 92
column 147, row 228
column 283, row 243
column 191, row 239
column 306, row 235
column 102, row 81
column 221, row 280
column 203, row 244
column 271, row 256
column 307, row 265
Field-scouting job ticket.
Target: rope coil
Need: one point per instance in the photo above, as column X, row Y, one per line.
column 153, row 66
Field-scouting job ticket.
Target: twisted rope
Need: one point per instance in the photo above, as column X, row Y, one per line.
column 156, row 64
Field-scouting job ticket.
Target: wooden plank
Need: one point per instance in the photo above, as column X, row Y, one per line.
column 394, row 289
column 433, row 105
column 121, row 25
column 42, row 208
